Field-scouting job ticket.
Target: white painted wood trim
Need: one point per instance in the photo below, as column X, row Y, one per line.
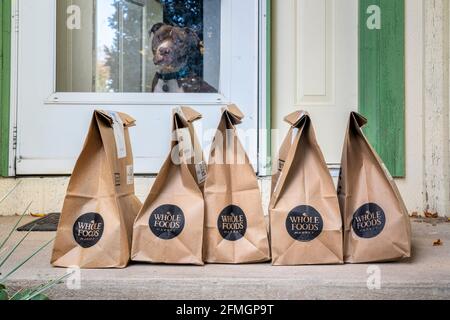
column 412, row 186
column 313, row 96
column 145, row 99
column 437, row 106
column 317, row 73
column 264, row 162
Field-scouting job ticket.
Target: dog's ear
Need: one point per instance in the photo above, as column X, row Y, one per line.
column 194, row 38
column 155, row 28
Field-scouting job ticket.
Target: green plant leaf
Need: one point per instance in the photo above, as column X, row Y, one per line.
column 16, row 246
column 37, row 292
column 40, row 297
column 3, row 295
column 2, row 286
column 2, row 280
column 27, row 295
column 15, row 226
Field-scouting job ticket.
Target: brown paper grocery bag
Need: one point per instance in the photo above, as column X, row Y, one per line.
column 305, row 222
column 235, row 230
column 376, row 222
column 100, row 205
column 169, row 227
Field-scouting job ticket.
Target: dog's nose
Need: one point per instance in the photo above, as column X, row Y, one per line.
column 164, row 51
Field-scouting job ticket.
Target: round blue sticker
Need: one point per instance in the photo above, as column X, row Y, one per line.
column 167, row 221
column 304, row 223
column 88, row 229
column 232, row 223
column 368, row 221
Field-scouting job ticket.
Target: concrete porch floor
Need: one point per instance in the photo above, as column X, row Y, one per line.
column 425, row 276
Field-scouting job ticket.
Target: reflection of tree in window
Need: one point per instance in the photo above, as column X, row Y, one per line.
column 124, row 57
column 185, row 13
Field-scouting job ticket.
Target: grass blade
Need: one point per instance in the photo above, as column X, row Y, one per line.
column 10, row 191
column 2, row 262
column 16, row 294
column 15, row 226
column 46, row 287
column 25, row 261
column 2, row 253
column 21, row 291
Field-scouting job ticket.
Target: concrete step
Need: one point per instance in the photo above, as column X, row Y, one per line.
column 425, row 276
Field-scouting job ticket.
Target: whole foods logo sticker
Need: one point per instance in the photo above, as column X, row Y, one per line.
column 368, row 221
column 88, row 229
column 304, row 223
column 232, row 223
column 167, row 222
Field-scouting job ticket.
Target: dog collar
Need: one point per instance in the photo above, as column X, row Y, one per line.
column 173, row 75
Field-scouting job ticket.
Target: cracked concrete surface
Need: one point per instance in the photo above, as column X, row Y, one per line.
column 425, row 276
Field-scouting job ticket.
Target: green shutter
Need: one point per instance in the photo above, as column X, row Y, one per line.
column 382, row 80
column 5, row 61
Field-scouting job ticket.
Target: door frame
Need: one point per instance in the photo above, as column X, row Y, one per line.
column 8, row 42
column 264, row 88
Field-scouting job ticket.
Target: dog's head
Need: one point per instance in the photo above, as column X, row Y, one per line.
column 173, row 47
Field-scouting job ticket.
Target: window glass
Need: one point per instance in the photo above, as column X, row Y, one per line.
column 159, row 46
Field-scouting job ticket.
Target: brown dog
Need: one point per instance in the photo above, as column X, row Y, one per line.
column 177, row 52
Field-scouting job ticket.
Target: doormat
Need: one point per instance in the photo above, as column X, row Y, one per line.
column 46, row 224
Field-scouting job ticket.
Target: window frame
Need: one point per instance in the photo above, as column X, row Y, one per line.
column 262, row 101
column 148, row 98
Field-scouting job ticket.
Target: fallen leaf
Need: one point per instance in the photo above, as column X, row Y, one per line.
column 431, row 215
column 437, row 243
column 415, row 214
column 38, row 215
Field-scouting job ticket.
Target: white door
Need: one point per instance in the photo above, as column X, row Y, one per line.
column 75, row 56
column 316, row 67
